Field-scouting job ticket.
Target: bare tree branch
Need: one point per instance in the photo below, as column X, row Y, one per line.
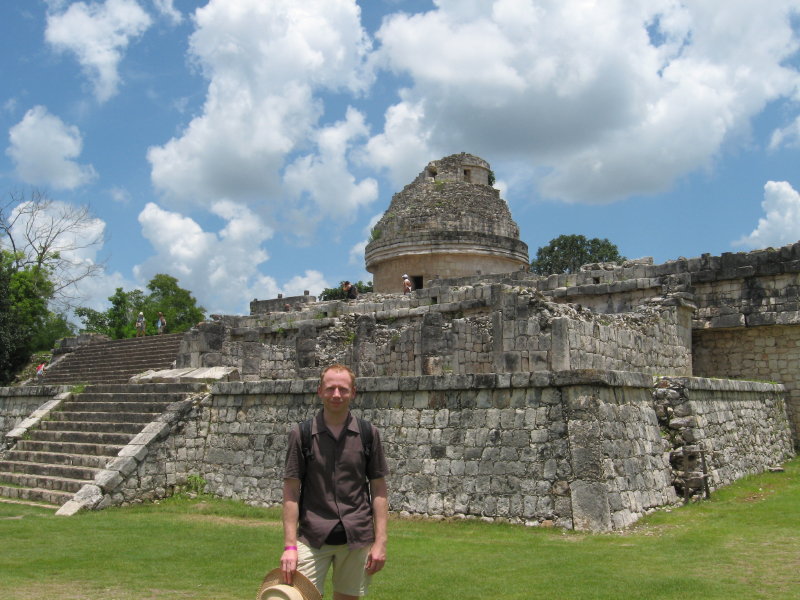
column 54, row 236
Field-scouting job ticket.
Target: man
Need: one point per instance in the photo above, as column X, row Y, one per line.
column 335, row 522
column 406, row 284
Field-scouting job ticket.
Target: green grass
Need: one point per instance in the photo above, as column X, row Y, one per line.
column 743, row 544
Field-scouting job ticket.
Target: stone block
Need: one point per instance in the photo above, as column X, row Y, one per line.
column 590, row 507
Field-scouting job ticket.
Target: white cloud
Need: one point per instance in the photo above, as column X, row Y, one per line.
column 119, row 195
column 402, row 143
column 167, row 8
column 356, row 256
column 266, row 63
column 603, row 99
column 324, row 178
column 97, row 34
column 788, row 136
column 312, row 281
column 220, row 268
column 781, row 223
column 44, row 149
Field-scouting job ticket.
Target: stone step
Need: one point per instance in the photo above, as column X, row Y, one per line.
column 115, row 407
column 113, row 425
column 105, row 450
column 28, row 502
column 115, row 360
column 58, row 458
column 132, row 396
column 48, row 470
column 144, row 388
column 97, row 417
column 56, row 484
column 81, row 437
column 35, row 495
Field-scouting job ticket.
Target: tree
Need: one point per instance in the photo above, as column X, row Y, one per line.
column 567, row 253
column 24, row 295
column 178, row 305
column 53, row 237
column 338, row 293
column 54, row 327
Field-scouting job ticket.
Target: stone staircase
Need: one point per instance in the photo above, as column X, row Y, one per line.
column 75, row 442
column 114, row 361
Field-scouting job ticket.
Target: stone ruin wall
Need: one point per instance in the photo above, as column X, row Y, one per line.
column 742, row 426
column 746, row 317
column 17, row 404
column 583, row 450
column 441, row 330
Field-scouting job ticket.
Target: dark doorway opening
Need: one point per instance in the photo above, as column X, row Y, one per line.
column 416, row 281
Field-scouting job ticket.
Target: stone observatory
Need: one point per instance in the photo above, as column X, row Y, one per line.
column 448, row 222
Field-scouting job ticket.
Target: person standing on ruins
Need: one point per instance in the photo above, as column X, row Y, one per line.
column 350, row 290
column 335, row 506
column 406, row 284
column 141, row 323
column 161, row 323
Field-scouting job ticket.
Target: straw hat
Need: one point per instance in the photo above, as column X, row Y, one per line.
column 273, row 588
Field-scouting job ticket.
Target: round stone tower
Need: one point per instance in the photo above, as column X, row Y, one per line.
column 448, row 222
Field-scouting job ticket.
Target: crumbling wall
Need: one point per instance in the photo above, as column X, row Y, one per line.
column 460, row 330
column 741, row 426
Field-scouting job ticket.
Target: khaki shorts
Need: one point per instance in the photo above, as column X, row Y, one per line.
column 349, row 567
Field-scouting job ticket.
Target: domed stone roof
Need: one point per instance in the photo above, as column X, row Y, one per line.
column 448, row 222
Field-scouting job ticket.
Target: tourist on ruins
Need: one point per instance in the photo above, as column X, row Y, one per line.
column 406, row 284
column 350, row 290
column 141, row 323
column 40, row 371
column 161, row 323
column 335, row 520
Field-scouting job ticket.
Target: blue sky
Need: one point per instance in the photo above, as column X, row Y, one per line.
column 246, row 146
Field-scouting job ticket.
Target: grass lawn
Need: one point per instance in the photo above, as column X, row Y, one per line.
column 743, row 544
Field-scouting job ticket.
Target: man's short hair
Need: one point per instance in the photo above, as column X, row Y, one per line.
column 338, row 367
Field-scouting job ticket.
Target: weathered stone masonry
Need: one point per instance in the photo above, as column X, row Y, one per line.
column 575, row 449
column 445, row 329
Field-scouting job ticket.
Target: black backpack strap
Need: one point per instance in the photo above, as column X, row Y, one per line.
column 305, row 440
column 366, row 437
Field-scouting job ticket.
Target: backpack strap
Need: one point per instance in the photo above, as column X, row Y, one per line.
column 305, row 440
column 366, row 438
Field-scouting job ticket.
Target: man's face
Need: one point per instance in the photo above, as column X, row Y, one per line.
column 336, row 391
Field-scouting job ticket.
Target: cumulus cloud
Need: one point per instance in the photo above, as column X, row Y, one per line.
column 44, row 150
column 780, row 224
column 167, row 8
column 311, row 281
column 266, row 64
column 324, row 179
column 98, row 34
column 221, row 268
column 401, row 144
column 603, row 99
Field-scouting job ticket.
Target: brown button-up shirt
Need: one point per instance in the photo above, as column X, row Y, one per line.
column 334, row 483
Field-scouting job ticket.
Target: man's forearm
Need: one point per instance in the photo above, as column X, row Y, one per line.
column 380, row 510
column 291, row 514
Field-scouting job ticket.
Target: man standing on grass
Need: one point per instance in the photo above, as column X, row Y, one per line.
column 328, row 516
